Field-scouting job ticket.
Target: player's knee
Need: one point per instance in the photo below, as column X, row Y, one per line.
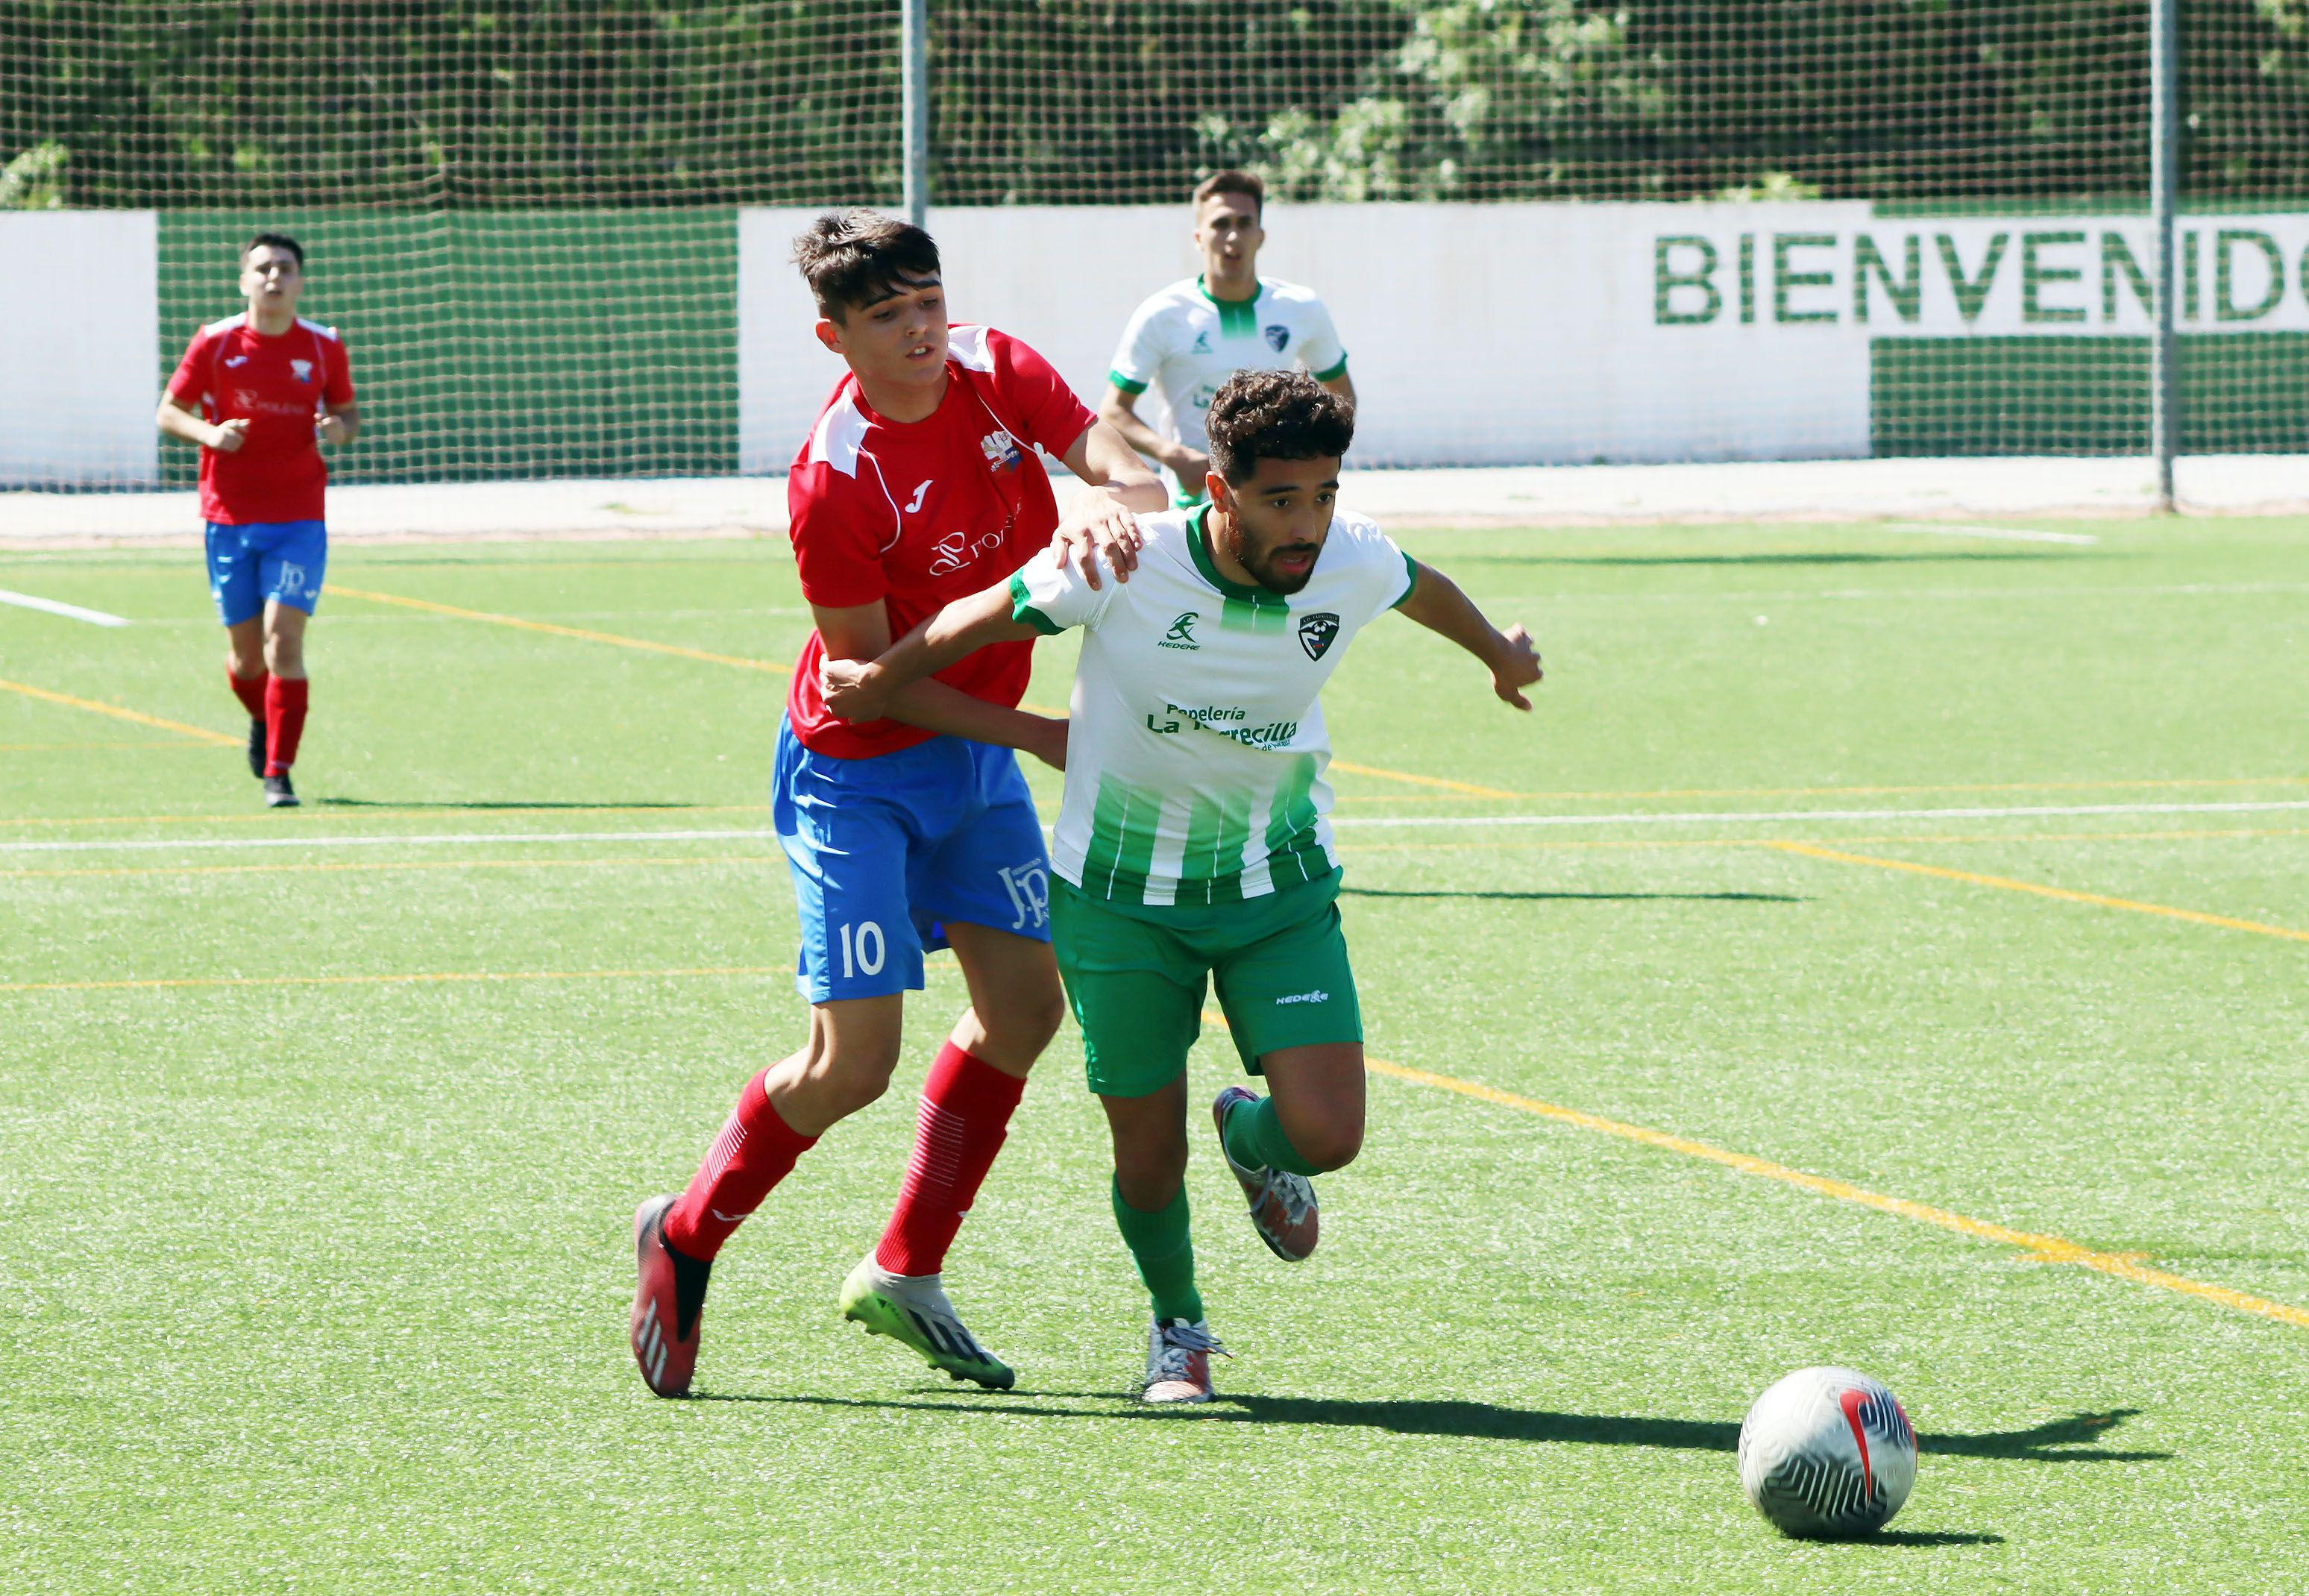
column 284, row 655
column 1149, row 1171
column 849, row 1076
column 1328, row 1143
column 248, row 666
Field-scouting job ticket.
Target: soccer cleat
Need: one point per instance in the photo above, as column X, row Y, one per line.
column 1281, row 1205
column 277, row 793
column 257, row 746
column 913, row 1309
column 1179, row 1362
column 664, row 1343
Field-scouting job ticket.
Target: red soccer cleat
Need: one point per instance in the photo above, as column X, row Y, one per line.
column 1281, row 1205
column 663, row 1345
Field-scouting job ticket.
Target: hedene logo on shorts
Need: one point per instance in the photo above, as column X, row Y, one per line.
column 1181, row 634
column 1317, row 996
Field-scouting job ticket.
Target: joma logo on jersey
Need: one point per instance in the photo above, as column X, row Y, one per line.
column 1316, row 633
column 1001, row 450
column 1181, row 634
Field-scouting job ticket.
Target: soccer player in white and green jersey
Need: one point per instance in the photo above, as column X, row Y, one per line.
column 1195, row 334
column 1193, row 844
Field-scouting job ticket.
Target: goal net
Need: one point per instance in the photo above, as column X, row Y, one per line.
column 553, row 232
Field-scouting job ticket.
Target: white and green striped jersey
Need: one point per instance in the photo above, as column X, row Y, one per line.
column 1184, row 343
column 1195, row 758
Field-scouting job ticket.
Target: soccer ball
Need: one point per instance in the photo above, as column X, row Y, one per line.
column 1828, row 1452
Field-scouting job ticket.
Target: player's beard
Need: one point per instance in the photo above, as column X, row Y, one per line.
column 1262, row 567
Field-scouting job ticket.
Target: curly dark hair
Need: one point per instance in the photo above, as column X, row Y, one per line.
column 1275, row 415
column 852, row 258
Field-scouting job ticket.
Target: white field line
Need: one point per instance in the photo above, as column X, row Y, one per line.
column 71, row 612
column 1449, row 822
column 2009, row 534
column 1774, row 816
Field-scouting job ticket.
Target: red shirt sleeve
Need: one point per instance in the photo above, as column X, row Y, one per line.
column 338, row 390
column 191, row 375
column 1031, row 390
column 837, row 551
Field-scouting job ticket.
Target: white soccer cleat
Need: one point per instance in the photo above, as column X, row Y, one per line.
column 1179, row 1361
column 913, row 1309
column 1283, row 1208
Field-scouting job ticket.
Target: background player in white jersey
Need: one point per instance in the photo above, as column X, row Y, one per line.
column 1193, row 845
column 1187, row 340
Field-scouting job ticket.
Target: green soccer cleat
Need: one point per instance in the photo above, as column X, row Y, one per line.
column 913, row 1309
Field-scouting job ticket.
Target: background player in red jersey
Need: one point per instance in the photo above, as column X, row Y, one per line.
column 259, row 392
column 918, row 484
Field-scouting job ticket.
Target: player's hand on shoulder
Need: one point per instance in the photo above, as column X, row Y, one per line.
column 850, row 690
column 1514, row 666
column 1095, row 528
column 230, row 435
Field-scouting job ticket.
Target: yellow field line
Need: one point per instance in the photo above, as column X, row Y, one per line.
column 395, row 980
column 2050, row 1249
column 1438, row 782
column 1692, row 792
column 1966, row 837
column 201, row 732
column 2195, row 917
column 528, row 863
column 150, row 742
column 557, row 630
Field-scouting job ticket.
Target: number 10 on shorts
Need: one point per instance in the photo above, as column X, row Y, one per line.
column 863, row 952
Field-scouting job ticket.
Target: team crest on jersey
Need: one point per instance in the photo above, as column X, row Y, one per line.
column 1277, row 336
column 302, row 370
column 1001, row 450
column 1316, row 633
column 1181, row 634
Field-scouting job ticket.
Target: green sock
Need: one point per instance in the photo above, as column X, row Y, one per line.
column 1255, row 1140
column 1165, row 1255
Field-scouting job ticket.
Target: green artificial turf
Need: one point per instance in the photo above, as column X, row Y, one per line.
column 322, row 1287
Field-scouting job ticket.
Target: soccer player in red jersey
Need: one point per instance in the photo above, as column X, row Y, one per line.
column 917, row 486
column 259, row 392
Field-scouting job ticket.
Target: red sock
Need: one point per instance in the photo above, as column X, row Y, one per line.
column 755, row 1150
column 250, row 691
column 965, row 1113
column 284, row 721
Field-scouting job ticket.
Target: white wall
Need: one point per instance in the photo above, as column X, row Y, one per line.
column 78, row 371
column 1476, row 334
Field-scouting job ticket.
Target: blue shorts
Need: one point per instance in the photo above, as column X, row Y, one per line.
column 887, row 851
column 282, row 560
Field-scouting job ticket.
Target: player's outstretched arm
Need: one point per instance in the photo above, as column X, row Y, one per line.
column 894, row 685
column 1437, row 604
column 1098, row 524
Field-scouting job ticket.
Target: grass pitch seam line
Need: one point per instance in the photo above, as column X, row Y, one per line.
column 446, row 976
column 1766, row 816
column 342, row 865
column 2049, row 1249
column 612, row 638
column 2006, row 533
column 200, row 732
column 1438, row 782
column 2100, row 900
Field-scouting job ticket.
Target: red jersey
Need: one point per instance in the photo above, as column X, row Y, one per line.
column 920, row 514
column 279, row 384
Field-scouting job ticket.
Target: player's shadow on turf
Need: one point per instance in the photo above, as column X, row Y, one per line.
column 2053, row 1442
column 1381, row 891
column 354, row 803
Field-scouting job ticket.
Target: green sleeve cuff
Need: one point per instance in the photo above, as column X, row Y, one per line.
column 1024, row 613
column 1410, row 585
column 1334, row 374
column 1130, row 386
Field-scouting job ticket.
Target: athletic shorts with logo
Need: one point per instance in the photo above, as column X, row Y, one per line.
column 283, row 561
column 1136, row 974
column 887, row 851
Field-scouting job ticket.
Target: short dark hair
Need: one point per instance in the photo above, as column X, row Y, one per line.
column 1275, row 415
column 852, row 258
column 276, row 241
column 1231, row 182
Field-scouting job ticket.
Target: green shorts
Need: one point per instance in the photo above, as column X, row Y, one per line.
column 1136, row 974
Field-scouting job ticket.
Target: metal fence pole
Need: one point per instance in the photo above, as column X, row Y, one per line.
column 2164, row 199
column 914, row 75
